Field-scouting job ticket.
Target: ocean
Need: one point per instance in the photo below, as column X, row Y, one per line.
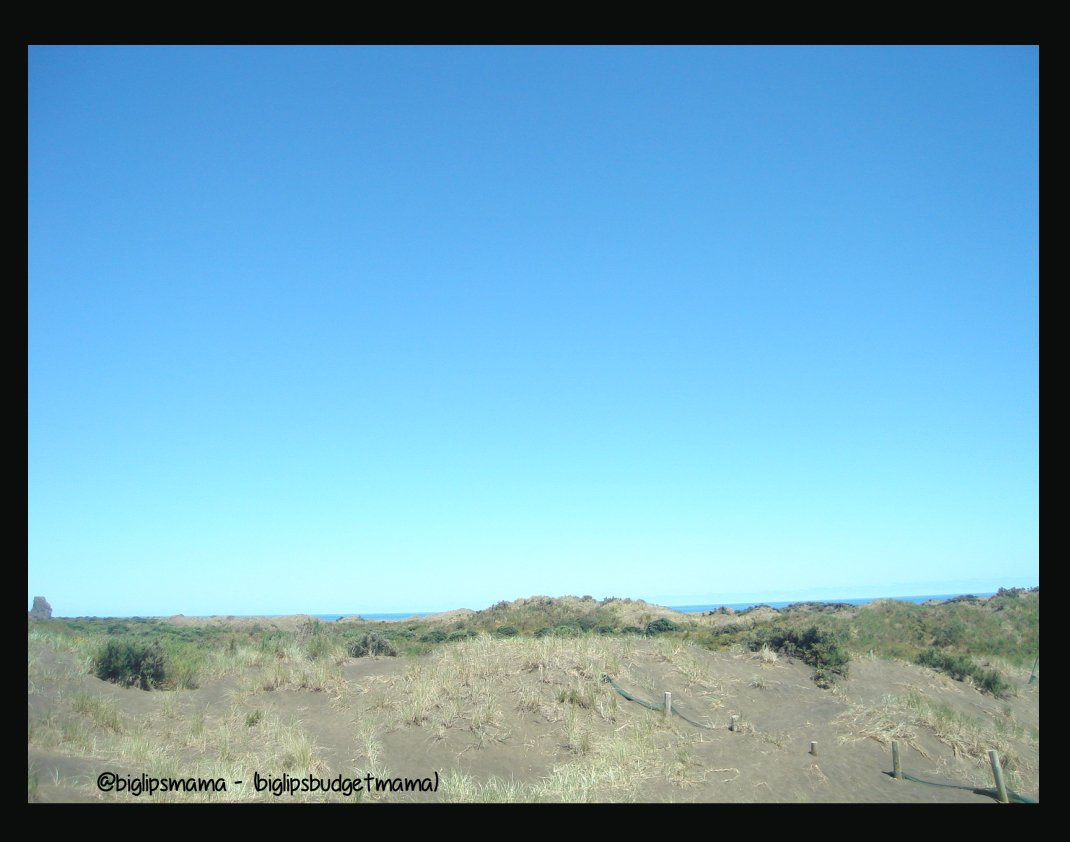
column 742, row 606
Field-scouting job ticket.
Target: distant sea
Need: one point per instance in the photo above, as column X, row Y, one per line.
column 742, row 606
column 687, row 609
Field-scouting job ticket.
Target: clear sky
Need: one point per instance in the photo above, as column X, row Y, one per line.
column 386, row 329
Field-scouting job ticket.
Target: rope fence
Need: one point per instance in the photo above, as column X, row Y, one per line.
column 666, row 707
column 1000, row 792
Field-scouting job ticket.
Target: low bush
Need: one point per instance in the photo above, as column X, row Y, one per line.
column 372, row 644
column 961, row 667
column 132, row 664
column 821, row 649
column 660, row 626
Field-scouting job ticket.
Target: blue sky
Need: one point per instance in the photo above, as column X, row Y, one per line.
column 386, row 329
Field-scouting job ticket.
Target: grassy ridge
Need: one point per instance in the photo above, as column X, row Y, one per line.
column 958, row 632
column 1005, row 626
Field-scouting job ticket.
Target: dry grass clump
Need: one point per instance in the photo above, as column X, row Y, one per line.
column 885, row 722
column 458, row 686
column 102, row 711
column 80, row 646
column 901, row 718
column 607, row 767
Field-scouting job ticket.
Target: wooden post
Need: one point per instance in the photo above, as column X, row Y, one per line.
column 813, row 748
column 897, row 770
column 735, row 721
column 668, row 705
column 1033, row 674
column 997, row 773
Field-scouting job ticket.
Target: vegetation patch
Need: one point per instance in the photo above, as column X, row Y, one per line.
column 961, row 667
column 132, row 664
column 822, row 649
column 372, row 644
column 660, row 626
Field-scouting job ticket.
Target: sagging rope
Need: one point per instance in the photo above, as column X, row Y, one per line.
column 1011, row 794
column 651, row 705
column 1016, row 797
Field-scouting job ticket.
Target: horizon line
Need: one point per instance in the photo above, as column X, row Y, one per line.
column 677, row 605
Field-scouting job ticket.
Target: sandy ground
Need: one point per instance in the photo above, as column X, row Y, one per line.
column 538, row 722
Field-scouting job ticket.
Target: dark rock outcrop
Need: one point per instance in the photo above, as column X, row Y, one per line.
column 41, row 609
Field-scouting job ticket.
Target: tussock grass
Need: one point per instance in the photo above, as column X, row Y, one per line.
column 458, row 787
column 967, row 736
column 58, row 639
column 887, row 721
column 234, row 660
column 606, row 767
column 101, row 710
column 289, row 668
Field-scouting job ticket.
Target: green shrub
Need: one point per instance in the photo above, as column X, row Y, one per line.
column 660, row 626
column 723, row 629
column 992, row 683
column 372, row 644
column 603, row 630
column 433, row 636
column 951, row 633
column 821, row 649
column 631, row 630
column 960, row 667
column 132, row 664
column 545, row 631
column 506, row 631
column 957, row 666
